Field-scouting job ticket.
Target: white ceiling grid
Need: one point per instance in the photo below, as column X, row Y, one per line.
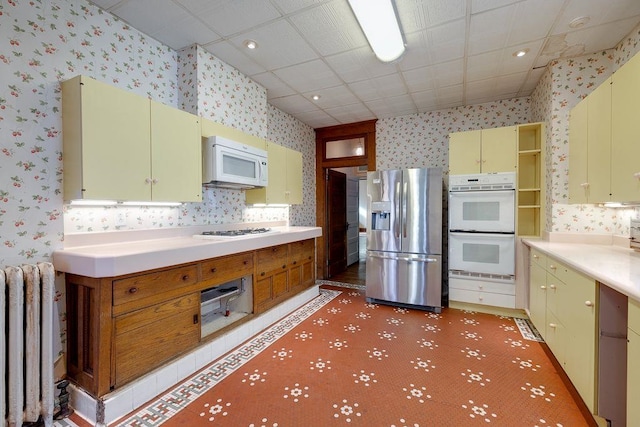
column 458, row 51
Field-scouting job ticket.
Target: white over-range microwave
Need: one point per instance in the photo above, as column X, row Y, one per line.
column 230, row 164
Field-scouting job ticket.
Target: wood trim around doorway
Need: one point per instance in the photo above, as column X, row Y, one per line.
column 367, row 130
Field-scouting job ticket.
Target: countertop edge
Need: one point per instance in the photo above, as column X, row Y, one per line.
column 559, row 251
column 94, row 261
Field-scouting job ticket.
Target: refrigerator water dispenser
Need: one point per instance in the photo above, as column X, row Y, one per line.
column 381, row 216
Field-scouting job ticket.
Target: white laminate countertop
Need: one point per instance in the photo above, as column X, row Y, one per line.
column 616, row 267
column 118, row 258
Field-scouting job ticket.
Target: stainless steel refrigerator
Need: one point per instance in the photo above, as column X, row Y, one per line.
column 404, row 237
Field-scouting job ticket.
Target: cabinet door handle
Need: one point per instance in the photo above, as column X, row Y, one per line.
column 309, row 256
column 295, row 262
column 284, row 266
column 185, row 277
column 552, row 325
column 543, row 287
column 262, row 274
column 195, row 319
column 584, row 185
column 636, row 175
column 588, row 303
column 553, row 267
column 133, row 290
column 535, row 256
column 147, row 180
column 154, row 181
column 245, row 262
column 274, row 250
column 552, row 287
column 213, row 270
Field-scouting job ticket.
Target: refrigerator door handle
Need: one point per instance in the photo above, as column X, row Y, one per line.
column 404, row 209
column 402, row 258
column 396, row 223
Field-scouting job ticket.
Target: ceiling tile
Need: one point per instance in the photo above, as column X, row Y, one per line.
column 350, row 113
column 510, row 64
column 309, row 76
column 483, row 66
column 601, row 37
column 533, row 20
column 317, row 119
column 150, row 16
column 511, row 83
column 420, row 79
column 443, row 11
column 276, row 87
column 379, row 87
column 426, row 100
column 478, row 6
column 185, row 32
column 279, row 45
column 449, row 73
column 447, row 41
column 480, row 88
column 418, row 15
column 290, row 6
column 229, row 17
column 490, row 30
column 227, row 52
column 450, row 94
column 334, row 18
column 613, row 11
column 359, row 64
column 417, row 53
column 293, row 104
column 392, row 107
column 333, row 97
column 532, row 81
column 105, row 4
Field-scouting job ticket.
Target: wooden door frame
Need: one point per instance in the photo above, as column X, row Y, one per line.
column 366, row 130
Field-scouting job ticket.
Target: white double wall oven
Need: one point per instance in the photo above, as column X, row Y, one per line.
column 482, row 238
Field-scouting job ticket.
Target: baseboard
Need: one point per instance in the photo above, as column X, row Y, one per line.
column 489, row 309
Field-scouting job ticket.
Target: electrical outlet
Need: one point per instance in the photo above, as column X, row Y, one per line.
column 121, row 219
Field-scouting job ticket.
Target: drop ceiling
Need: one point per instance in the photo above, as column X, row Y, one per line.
column 459, row 52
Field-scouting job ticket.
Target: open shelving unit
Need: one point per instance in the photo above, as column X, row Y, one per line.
column 531, row 180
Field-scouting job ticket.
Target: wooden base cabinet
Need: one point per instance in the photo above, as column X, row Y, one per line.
column 562, row 306
column 120, row 328
column 282, row 271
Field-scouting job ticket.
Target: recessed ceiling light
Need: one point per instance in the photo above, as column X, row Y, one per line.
column 250, row 44
column 315, row 97
column 579, row 22
column 521, row 53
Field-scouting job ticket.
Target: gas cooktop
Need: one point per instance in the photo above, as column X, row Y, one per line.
column 233, row 233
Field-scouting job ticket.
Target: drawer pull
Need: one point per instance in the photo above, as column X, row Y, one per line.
column 588, row 303
column 185, row 277
column 295, row 262
column 535, row 256
column 195, row 319
column 543, row 287
column 213, row 270
column 309, row 256
column 262, row 274
column 245, row 262
column 274, row 250
column 133, row 290
column 553, row 267
column 552, row 325
column 481, row 287
column 284, row 266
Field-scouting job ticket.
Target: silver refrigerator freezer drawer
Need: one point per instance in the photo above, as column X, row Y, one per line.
column 409, row 279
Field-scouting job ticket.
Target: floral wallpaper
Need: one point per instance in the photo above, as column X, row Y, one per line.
column 564, row 84
column 422, row 140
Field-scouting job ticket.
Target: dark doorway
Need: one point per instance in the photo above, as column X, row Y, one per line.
column 337, row 221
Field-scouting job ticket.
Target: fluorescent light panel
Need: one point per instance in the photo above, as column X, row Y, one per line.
column 378, row 21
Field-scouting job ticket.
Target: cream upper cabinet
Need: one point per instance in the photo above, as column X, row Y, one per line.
column 590, row 147
column 578, row 181
column 176, row 152
column 285, row 178
column 211, row 128
column 464, row 152
column 106, row 133
column 483, row 151
column 625, row 147
column 121, row 146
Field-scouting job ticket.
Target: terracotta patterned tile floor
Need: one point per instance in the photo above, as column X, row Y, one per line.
column 342, row 361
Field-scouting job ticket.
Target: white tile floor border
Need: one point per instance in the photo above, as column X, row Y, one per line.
column 104, row 411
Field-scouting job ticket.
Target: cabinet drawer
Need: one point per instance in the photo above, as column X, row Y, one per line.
column 150, row 285
column 634, row 316
column 485, row 298
column 223, row 269
column 482, row 286
column 538, row 258
column 555, row 292
column 165, row 330
column 301, row 251
column 272, row 258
